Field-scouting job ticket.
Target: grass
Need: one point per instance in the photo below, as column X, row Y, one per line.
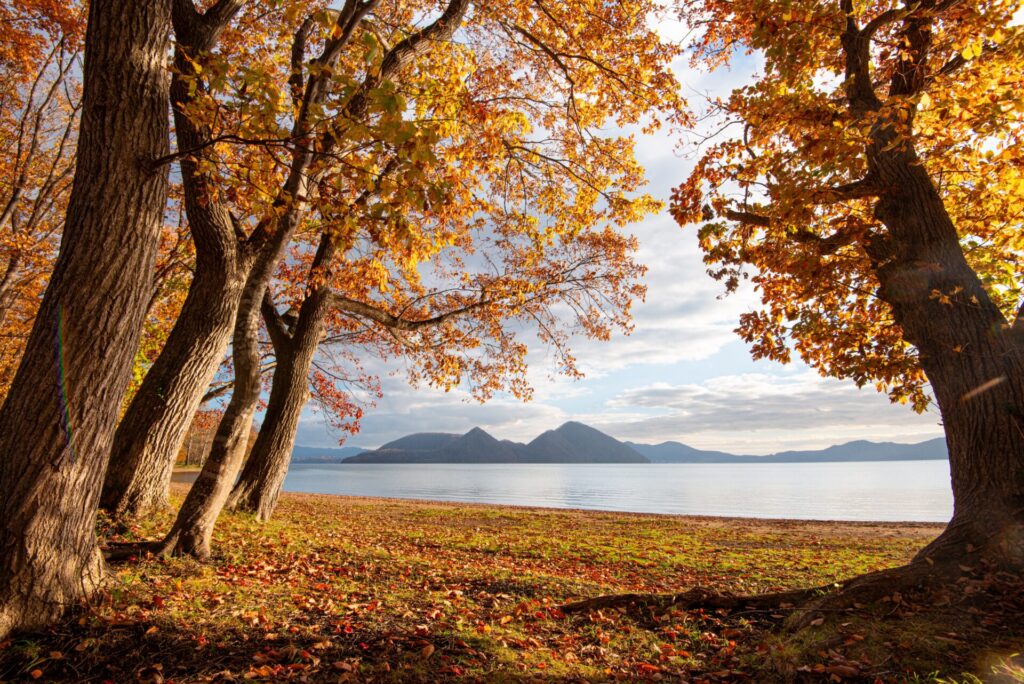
column 348, row 589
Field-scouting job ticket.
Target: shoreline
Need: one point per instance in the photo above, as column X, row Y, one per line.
column 181, row 479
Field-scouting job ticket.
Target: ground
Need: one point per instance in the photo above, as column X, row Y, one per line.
column 353, row 589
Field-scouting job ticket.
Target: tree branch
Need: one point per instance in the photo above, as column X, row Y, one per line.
column 745, row 217
column 226, row 386
column 860, row 92
column 397, row 57
column 200, row 31
column 296, row 81
column 859, row 189
column 393, row 322
column 954, row 64
column 280, row 335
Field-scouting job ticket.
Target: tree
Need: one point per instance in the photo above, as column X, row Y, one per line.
column 192, row 530
column 420, row 145
column 347, row 132
column 875, row 197
column 462, row 334
column 155, row 423
column 58, row 418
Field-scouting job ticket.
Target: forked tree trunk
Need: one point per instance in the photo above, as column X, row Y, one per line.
column 153, row 428
column 59, row 417
column 263, row 476
column 193, row 528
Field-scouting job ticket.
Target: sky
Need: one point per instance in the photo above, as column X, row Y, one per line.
column 682, row 374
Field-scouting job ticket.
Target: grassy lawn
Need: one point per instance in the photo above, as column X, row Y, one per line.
column 383, row 590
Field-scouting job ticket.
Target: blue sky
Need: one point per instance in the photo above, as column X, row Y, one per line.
column 682, row 375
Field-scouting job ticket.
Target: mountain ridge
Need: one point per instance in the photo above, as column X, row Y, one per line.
column 572, row 442
column 856, row 451
column 575, row 442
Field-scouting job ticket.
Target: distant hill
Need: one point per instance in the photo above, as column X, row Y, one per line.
column 571, row 443
column 308, row 454
column 578, row 443
column 675, row 452
column 860, row 450
column 423, row 441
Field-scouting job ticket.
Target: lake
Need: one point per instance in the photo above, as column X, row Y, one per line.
column 890, row 490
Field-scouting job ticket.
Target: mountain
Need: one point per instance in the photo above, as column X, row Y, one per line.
column 308, row 454
column 860, row 450
column 422, row 441
column 675, row 452
column 578, row 443
column 571, row 443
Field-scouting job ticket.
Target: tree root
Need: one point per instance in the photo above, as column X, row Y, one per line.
column 697, row 597
column 869, row 588
column 174, row 544
column 806, row 604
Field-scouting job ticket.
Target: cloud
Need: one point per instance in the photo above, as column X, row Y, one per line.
column 761, row 413
column 679, row 333
column 405, row 410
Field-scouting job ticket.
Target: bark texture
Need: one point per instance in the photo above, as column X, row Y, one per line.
column 153, row 428
column 155, row 424
column 59, row 417
column 260, row 483
column 968, row 350
column 973, row 362
column 193, row 528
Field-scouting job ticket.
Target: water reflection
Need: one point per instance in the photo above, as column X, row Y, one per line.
column 895, row 490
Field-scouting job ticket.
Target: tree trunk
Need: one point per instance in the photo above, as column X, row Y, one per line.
column 151, row 432
column 967, row 349
column 57, row 423
column 154, row 426
column 261, row 480
column 193, row 528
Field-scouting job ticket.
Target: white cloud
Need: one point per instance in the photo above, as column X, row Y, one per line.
column 761, row 413
column 684, row 320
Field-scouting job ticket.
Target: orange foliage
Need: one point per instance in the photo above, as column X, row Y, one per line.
column 481, row 178
column 39, row 101
column 787, row 202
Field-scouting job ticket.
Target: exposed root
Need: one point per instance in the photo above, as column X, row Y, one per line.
column 697, row 597
column 807, row 604
column 865, row 589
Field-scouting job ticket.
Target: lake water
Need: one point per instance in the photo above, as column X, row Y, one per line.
column 892, row 490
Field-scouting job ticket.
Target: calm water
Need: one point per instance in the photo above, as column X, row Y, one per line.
column 894, row 490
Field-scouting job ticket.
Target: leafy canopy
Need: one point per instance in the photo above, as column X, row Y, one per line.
column 782, row 202
column 486, row 174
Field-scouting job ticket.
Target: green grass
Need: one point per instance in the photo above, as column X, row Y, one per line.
column 356, row 589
